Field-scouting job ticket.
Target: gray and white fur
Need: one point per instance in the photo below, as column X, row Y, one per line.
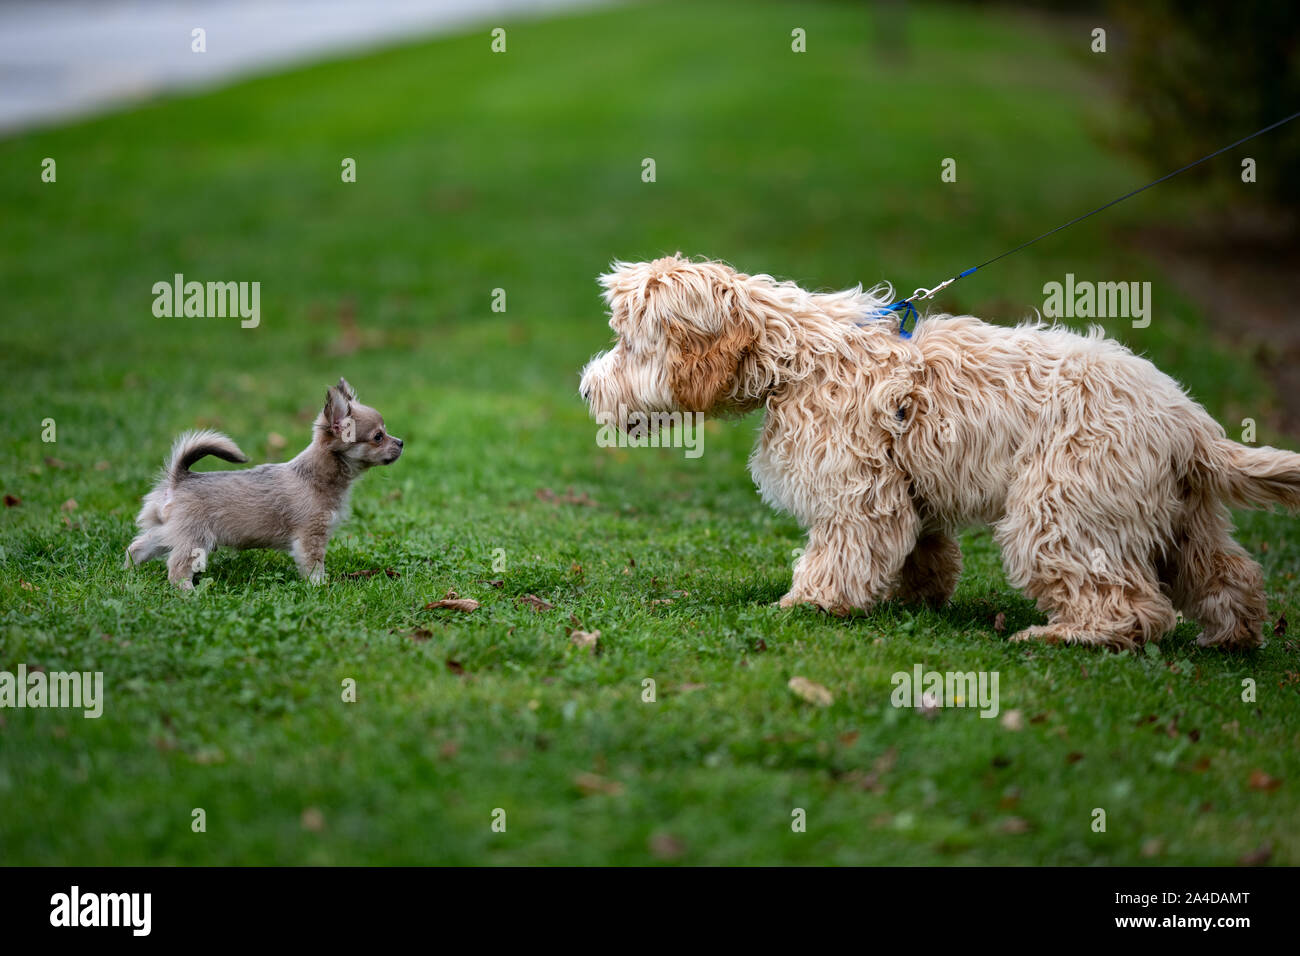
column 293, row 506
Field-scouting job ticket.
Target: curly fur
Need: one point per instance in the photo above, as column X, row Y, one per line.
column 1103, row 481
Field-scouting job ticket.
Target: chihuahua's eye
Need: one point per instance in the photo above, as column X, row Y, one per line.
column 378, row 436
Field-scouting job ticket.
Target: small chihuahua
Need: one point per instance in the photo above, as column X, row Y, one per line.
column 293, row 506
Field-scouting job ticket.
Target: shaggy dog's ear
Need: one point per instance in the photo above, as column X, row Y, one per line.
column 703, row 367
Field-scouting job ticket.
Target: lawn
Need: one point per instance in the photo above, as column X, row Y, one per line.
column 522, row 171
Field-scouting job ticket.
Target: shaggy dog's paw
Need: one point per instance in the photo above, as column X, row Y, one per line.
column 1241, row 637
column 1043, row 632
column 838, row 608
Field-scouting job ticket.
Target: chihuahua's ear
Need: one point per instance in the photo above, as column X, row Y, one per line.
column 337, row 407
column 348, row 391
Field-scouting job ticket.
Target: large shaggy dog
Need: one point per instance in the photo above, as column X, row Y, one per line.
column 1104, row 482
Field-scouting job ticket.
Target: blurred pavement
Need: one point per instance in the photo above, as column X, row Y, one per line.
column 66, row 58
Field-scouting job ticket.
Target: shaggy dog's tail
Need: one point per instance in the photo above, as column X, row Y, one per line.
column 1254, row 477
column 192, row 446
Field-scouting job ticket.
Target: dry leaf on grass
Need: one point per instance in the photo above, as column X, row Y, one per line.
column 1013, row 720
column 1259, row 780
column 1257, row 857
column 371, row 572
column 587, row 639
column 537, row 604
column 568, row 498
column 665, row 846
column 812, row 692
column 454, row 603
column 593, row 783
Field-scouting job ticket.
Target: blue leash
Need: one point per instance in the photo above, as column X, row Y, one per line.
column 909, row 310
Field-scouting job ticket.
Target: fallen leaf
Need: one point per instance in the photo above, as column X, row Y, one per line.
column 1279, row 629
column 665, row 846
column 929, row 705
column 454, row 603
column 70, row 504
column 593, row 783
column 1014, row 825
column 1000, row 623
column 55, row 462
column 585, row 639
column 568, row 498
column 1073, row 757
column 537, row 604
column 456, row 667
column 1259, row 780
column 12, row 501
column 313, row 820
column 370, row 572
column 420, row 634
column 495, row 583
column 1013, row 720
column 1257, row 857
column 812, row 692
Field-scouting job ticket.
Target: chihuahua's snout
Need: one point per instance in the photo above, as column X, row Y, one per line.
column 399, row 442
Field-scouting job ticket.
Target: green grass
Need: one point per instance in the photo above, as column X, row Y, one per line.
column 522, row 171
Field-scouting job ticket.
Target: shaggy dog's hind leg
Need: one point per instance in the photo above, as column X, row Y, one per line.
column 1101, row 611
column 1214, row 581
column 930, row 573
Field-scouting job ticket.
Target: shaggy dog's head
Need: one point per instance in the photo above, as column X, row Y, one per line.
column 685, row 336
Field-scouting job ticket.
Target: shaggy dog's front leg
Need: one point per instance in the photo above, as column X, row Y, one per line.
column 852, row 563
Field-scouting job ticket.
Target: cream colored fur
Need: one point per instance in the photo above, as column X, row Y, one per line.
column 1103, row 481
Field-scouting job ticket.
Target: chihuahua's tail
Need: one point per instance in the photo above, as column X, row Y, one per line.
column 192, row 446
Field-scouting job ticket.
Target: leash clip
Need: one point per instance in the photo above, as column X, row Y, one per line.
column 923, row 293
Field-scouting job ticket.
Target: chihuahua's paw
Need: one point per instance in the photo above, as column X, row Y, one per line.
column 317, row 577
